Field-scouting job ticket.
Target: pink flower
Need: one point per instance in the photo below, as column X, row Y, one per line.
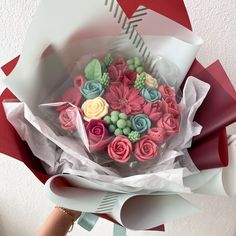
column 129, row 77
column 145, row 149
column 169, row 123
column 166, row 91
column 155, row 110
column 116, row 71
column 98, row 135
column 172, row 106
column 120, row 149
column 124, row 99
column 72, row 95
column 68, row 118
column 157, row 134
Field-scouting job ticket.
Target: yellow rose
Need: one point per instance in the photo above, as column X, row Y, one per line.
column 150, row 81
column 95, row 108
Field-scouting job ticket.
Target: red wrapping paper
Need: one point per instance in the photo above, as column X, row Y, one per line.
column 209, row 149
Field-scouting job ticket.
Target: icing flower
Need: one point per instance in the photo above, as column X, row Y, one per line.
column 157, row 134
column 140, row 123
column 92, row 89
column 150, row 81
column 98, row 135
column 116, row 71
column 169, row 123
column 155, row 110
column 129, row 77
column 120, row 149
column 95, row 108
column 150, row 94
column 173, row 107
column 72, row 95
column 124, row 99
column 68, row 118
column 166, row 91
column 145, row 149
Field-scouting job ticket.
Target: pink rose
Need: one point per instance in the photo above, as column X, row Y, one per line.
column 68, row 118
column 120, row 149
column 98, row 135
column 155, row 110
column 157, row 134
column 72, row 95
column 169, row 123
column 166, row 91
column 145, row 149
column 173, row 107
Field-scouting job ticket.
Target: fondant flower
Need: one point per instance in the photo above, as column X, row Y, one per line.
column 68, row 118
column 124, row 99
column 173, row 107
column 120, row 149
column 166, row 91
column 150, row 94
column 155, row 110
column 157, row 134
column 145, row 149
column 95, row 108
column 116, row 71
column 129, row 77
column 92, row 89
column 98, row 135
column 140, row 123
column 150, row 81
column 169, row 123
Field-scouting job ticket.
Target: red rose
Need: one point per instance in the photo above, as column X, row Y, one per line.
column 169, row 123
column 155, row 110
column 120, row 149
column 166, row 91
column 157, row 134
column 129, row 77
column 68, row 118
column 145, row 149
column 173, row 107
column 98, row 135
column 116, row 71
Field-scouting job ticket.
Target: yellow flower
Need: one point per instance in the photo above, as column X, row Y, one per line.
column 95, row 108
column 150, row 81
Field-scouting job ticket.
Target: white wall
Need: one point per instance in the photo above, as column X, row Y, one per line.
column 23, row 205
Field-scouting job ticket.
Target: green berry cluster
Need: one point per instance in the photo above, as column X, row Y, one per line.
column 140, row 81
column 134, row 136
column 118, row 123
column 104, row 80
column 108, row 60
column 135, row 64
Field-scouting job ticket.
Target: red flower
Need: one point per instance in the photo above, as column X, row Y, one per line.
column 124, row 99
column 166, row 91
column 169, row 123
column 173, row 107
column 155, row 110
column 116, row 71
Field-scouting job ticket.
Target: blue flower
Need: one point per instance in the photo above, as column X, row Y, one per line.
column 92, row 89
column 151, row 94
column 140, row 123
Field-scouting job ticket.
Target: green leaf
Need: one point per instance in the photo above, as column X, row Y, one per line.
column 108, row 60
column 93, row 70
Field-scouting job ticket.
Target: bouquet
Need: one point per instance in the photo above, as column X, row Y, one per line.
column 102, row 108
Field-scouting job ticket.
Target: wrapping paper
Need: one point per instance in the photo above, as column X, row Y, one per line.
column 215, row 140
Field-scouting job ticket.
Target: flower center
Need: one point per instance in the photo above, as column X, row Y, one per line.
column 123, row 101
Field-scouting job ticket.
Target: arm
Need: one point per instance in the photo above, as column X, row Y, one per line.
column 58, row 222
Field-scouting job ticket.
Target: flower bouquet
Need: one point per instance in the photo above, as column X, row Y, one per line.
column 102, row 107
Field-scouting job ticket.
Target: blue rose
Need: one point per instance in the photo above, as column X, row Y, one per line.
column 92, row 89
column 151, row 94
column 140, row 123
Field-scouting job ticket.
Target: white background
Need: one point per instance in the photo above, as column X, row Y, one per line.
column 23, row 205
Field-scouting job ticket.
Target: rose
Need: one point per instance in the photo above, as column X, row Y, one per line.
column 129, row 77
column 116, row 71
column 155, row 110
column 145, row 149
column 150, row 81
column 166, row 91
column 95, row 108
column 120, row 149
column 150, row 94
column 92, row 89
column 169, row 123
column 157, row 134
column 98, row 135
column 172, row 106
column 140, row 123
column 68, row 118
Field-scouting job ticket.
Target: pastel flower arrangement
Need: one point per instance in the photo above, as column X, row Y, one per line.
column 126, row 112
